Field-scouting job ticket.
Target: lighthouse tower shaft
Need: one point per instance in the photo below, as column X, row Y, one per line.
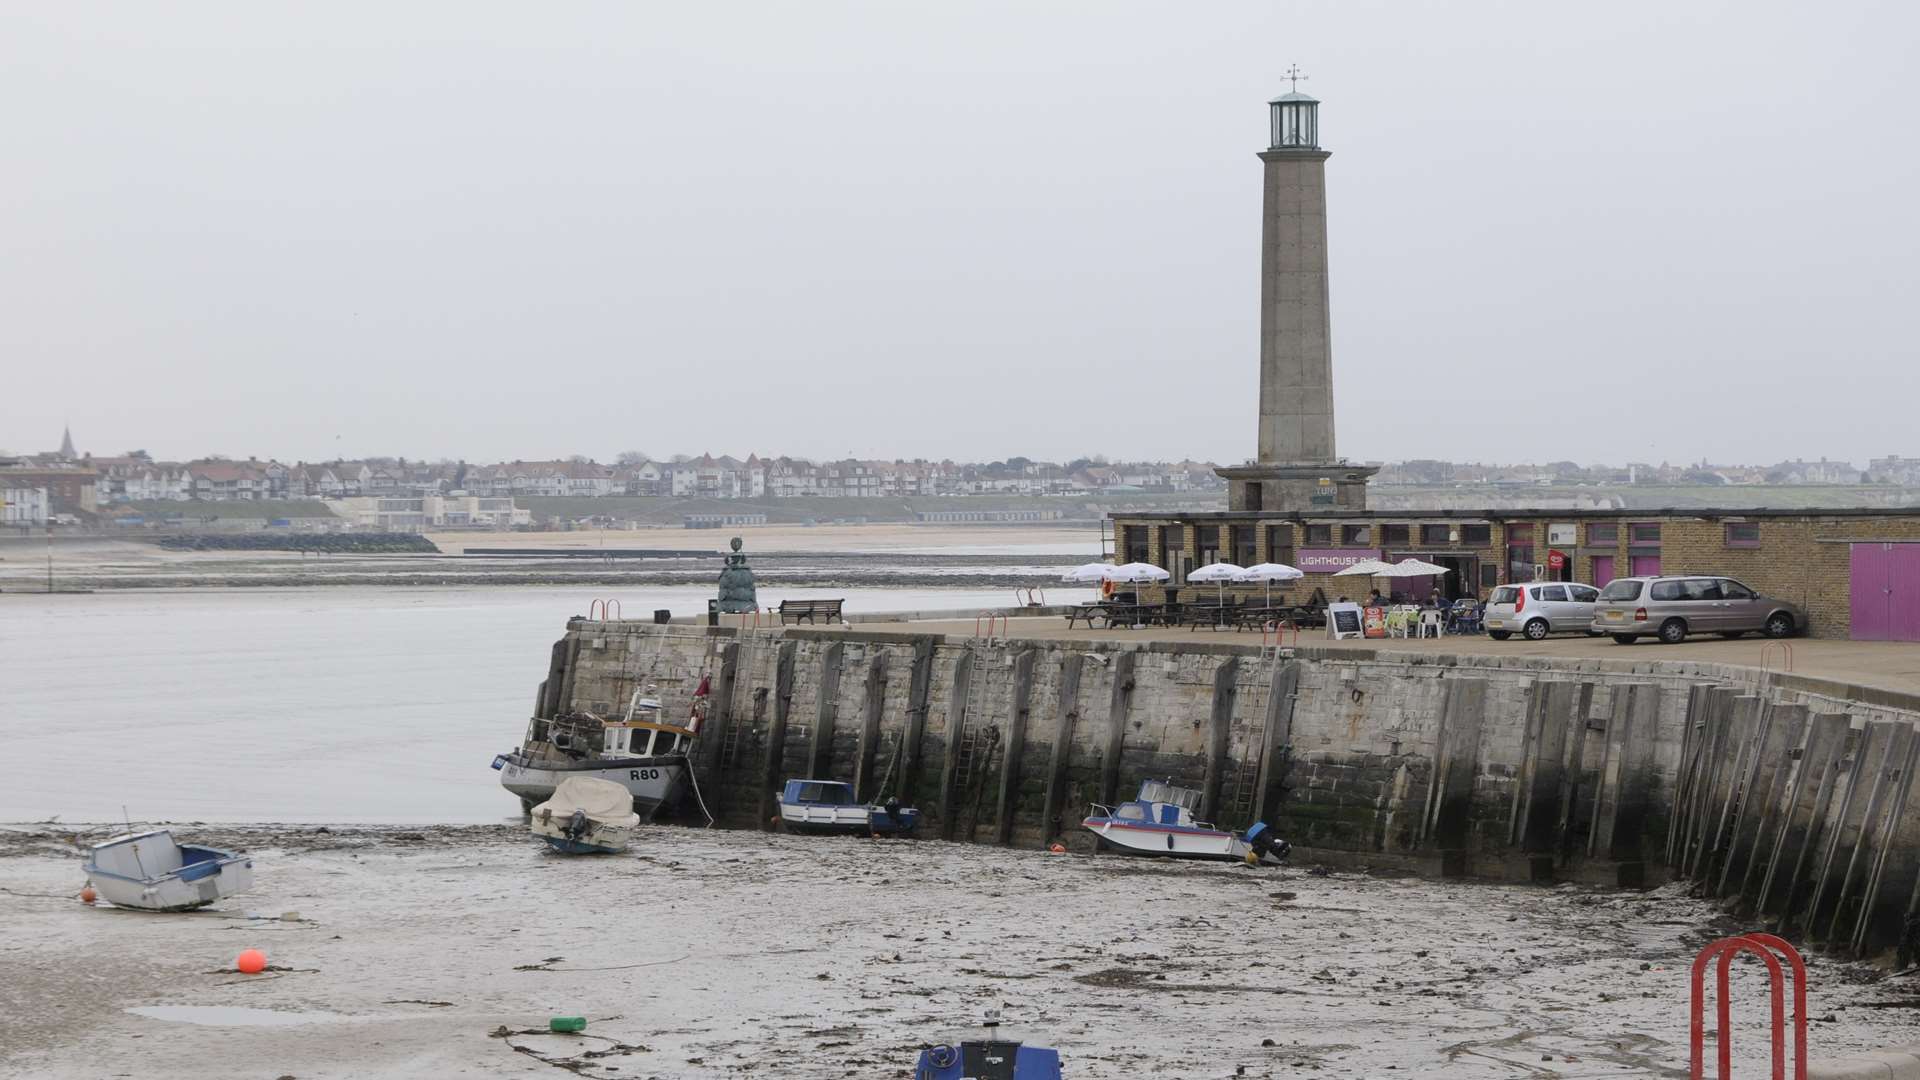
column 1298, row 467
column 1296, row 347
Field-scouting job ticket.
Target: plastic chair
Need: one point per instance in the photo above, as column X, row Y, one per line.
column 1430, row 619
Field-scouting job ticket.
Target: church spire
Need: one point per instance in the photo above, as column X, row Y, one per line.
column 66, row 443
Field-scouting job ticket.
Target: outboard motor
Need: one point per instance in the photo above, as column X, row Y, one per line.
column 892, row 807
column 1265, row 843
column 990, row 1058
column 577, row 825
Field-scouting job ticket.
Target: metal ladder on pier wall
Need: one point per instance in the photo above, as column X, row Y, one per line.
column 974, row 734
column 1239, row 805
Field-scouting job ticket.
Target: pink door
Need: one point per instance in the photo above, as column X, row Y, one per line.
column 1644, row 565
column 1904, row 593
column 1869, row 591
column 1884, row 592
column 1602, row 569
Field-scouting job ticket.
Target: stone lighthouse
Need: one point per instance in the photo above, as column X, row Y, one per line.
column 1298, row 468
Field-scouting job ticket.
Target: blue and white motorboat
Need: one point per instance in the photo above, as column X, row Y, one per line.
column 996, row 1056
column 1160, row 822
column 151, row 871
column 830, row 806
column 586, row 817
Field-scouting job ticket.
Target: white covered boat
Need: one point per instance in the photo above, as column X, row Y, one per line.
column 639, row 752
column 150, row 870
column 1160, row 822
column 587, row 817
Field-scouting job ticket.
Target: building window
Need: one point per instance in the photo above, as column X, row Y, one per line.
column 1476, row 535
column 1243, row 549
column 1435, row 535
column 1394, row 535
column 1135, row 546
column 1173, row 542
column 1603, row 533
column 1644, row 532
column 1521, row 533
column 1354, row 535
column 1319, row 536
column 1743, row 534
column 1280, row 544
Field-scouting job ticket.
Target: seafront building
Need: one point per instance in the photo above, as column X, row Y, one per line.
column 1301, row 504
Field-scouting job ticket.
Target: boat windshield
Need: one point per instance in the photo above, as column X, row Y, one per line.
column 1159, row 791
column 1132, row 811
column 826, row 794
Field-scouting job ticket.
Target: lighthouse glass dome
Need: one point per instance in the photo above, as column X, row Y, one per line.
column 1296, row 122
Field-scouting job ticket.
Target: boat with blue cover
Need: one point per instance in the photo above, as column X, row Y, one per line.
column 1160, row 822
column 996, row 1056
column 830, row 807
column 152, row 871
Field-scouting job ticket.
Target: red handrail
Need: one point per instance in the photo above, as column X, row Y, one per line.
column 1763, row 946
column 1279, row 628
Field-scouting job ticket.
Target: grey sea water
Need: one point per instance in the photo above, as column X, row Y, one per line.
column 331, row 704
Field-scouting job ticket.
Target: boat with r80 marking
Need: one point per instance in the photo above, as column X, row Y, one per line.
column 1160, row 823
column 640, row 752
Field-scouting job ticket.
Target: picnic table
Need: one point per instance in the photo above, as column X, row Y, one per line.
column 1088, row 612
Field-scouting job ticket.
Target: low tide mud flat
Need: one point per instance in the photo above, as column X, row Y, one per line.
column 434, row 951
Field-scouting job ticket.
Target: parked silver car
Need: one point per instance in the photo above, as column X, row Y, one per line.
column 1670, row 608
column 1539, row 608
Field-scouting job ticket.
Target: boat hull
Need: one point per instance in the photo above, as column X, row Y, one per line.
column 653, row 782
column 1166, row 841
column 847, row 820
column 151, row 872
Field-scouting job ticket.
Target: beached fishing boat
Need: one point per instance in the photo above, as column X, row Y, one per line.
column 640, row 752
column 829, row 806
column 996, row 1055
column 586, row 817
column 151, row 870
column 1160, row 822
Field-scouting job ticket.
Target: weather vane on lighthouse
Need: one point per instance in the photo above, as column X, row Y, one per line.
column 1293, row 76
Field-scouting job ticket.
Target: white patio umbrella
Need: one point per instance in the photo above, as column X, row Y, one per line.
column 1089, row 573
column 1270, row 572
column 1364, row 568
column 1414, row 568
column 1219, row 573
column 1139, row 573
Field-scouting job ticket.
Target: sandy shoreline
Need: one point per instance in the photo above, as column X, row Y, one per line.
column 828, row 556
column 709, row 953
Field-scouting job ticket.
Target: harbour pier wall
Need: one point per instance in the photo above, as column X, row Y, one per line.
column 1790, row 799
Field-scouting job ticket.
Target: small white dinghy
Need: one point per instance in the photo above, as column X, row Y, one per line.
column 150, row 870
column 587, row 817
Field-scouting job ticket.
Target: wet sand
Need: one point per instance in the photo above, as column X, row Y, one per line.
column 421, row 952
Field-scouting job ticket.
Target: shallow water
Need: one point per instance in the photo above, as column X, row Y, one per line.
column 329, row 704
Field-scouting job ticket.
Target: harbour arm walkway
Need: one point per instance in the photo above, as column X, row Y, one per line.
column 1893, row 667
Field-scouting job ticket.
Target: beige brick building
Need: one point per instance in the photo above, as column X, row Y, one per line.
column 1806, row 556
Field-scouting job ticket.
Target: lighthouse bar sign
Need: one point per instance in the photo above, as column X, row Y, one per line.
column 1329, row 560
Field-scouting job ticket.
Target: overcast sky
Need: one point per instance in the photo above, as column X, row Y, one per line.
column 1601, row 232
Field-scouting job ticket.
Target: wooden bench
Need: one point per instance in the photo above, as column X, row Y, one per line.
column 793, row 611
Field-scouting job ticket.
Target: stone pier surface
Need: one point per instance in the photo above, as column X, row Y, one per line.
column 1780, row 796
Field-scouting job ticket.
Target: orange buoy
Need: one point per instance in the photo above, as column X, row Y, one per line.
column 251, row 962
column 88, row 896
column 1058, row 849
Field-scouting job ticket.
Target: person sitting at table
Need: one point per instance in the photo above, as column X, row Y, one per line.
column 1374, row 599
